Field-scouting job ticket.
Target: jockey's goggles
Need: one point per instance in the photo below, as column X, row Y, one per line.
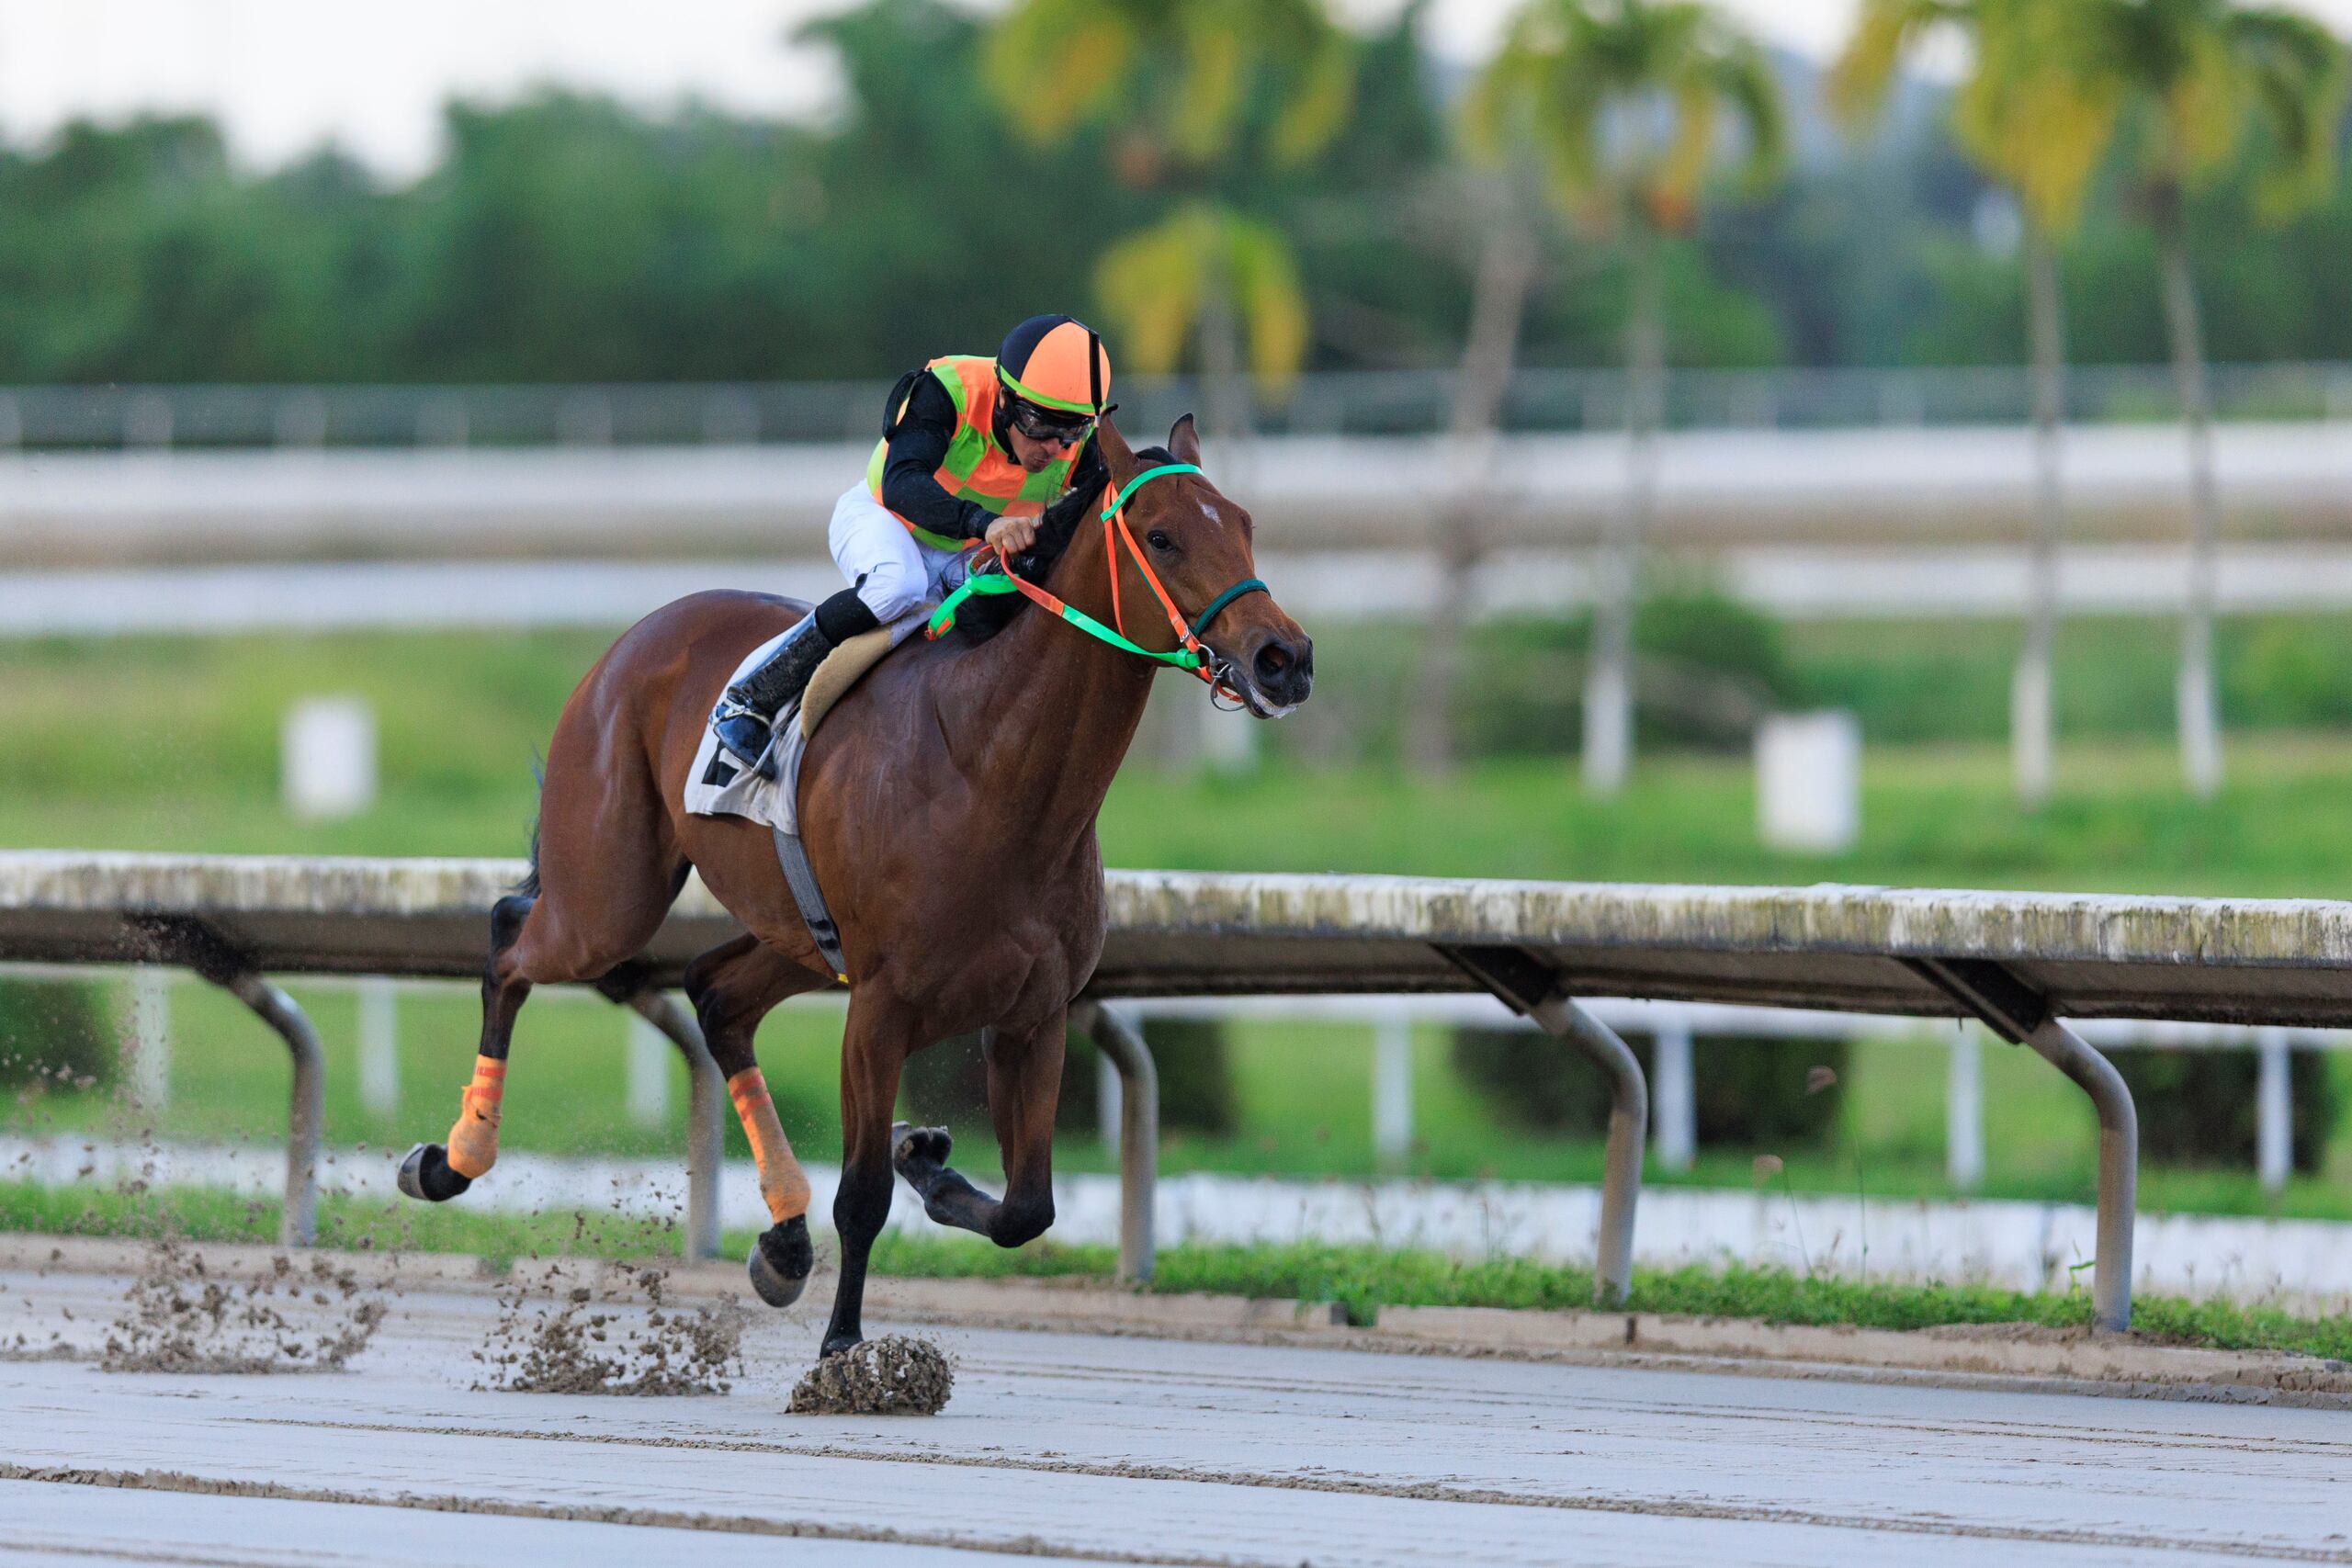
column 1046, row 424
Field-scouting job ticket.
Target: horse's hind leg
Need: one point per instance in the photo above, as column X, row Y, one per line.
column 732, row 988
column 550, row 936
column 438, row 1172
column 1025, row 1086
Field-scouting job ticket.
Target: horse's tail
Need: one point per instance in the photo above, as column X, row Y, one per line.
column 529, row 886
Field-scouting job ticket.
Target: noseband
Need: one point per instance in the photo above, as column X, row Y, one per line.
column 1191, row 655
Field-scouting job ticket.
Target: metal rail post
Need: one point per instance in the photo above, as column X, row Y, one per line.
column 1122, row 1046
column 2021, row 1015
column 216, row 960
column 2119, row 1165
column 705, row 1118
column 1629, row 1119
column 297, row 1222
column 1528, row 985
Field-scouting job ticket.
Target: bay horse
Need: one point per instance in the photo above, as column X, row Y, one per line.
column 948, row 805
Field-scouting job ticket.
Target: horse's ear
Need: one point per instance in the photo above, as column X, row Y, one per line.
column 1184, row 441
column 1116, row 450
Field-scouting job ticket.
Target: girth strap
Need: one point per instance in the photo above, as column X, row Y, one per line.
column 802, row 879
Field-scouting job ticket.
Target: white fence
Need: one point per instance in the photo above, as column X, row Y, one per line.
column 1379, row 403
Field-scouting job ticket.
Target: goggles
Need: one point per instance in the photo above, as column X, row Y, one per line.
column 1046, row 424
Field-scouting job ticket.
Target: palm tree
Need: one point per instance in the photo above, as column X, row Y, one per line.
column 1503, row 274
column 1173, row 80
column 1622, row 103
column 2023, row 115
column 2193, row 76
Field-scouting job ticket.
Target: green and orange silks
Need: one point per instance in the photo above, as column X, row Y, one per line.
column 975, row 468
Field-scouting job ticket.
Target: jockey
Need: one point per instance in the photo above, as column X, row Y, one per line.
column 974, row 452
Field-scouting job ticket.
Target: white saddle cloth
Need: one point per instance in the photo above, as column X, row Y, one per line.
column 716, row 786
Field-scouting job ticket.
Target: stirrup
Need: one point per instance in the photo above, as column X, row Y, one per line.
column 744, row 732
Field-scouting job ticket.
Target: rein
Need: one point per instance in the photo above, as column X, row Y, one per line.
column 1190, row 655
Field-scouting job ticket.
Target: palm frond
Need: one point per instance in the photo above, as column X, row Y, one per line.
column 1321, row 102
column 1149, row 287
column 1863, row 74
column 1262, row 274
column 1052, row 63
column 2296, row 72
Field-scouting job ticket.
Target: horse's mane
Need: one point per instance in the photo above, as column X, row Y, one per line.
column 980, row 619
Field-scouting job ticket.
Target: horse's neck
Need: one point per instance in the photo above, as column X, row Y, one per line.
column 1047, row 713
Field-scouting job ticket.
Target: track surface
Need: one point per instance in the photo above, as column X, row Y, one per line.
column 1078, row 1448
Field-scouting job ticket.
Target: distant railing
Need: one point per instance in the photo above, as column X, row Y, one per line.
column 1399, row 402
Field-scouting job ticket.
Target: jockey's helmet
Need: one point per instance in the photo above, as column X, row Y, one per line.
column 1058, row 374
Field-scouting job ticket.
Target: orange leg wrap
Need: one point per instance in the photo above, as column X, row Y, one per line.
column 780, row 1182
column 473, row 1140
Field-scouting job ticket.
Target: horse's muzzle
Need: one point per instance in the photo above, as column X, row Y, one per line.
column 1279, row 673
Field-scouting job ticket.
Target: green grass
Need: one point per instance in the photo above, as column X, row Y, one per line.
column 1361, row 1279
column 209, row 1213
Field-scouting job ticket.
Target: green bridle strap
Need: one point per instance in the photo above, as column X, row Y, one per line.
column 1137, row 483
column 1246, row 585
column 942, row 620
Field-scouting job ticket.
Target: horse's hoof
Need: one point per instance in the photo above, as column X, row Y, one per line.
column 835, row 1345
column 782, row 1261
column 425, row 1174
column 919, row 1146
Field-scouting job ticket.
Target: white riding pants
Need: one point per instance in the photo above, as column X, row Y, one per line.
column 896, row 573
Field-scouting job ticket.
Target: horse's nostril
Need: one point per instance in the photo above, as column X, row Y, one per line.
column 1272, row 659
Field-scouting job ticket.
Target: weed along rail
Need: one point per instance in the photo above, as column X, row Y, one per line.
column 2021, row 963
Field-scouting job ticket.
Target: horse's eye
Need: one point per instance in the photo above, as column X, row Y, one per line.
column 1159, row 540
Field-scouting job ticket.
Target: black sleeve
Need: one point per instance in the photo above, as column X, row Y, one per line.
column 917, row 449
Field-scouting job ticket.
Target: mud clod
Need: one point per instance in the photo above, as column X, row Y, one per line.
column 178, row 1317
column 584, row 1345
column 895, row 1375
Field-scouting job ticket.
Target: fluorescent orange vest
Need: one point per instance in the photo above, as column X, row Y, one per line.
column 975, row 468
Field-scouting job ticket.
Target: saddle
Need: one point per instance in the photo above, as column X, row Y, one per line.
column 842, row 669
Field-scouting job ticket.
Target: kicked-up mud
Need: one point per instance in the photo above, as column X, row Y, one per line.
column 588, row 1341
column 895, row 1375
column 177, row 1316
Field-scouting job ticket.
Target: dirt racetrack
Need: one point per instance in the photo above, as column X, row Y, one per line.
column 1079, row 1449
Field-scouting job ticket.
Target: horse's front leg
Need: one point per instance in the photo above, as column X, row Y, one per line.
column 874, row 1048
column 1025, row 1085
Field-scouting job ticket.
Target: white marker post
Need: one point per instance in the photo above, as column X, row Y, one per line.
column 380, row 1047
column 650, row 1053
column 1809, row 782
column 327, row 758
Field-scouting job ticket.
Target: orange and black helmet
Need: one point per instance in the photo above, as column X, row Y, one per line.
column 1058, row 367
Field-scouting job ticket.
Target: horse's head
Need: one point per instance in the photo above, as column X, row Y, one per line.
column 1200, row 544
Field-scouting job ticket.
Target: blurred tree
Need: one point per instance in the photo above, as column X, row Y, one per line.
column 1622, row 102
column 1175, row 81
column 2192, row 77
column 2021, row 116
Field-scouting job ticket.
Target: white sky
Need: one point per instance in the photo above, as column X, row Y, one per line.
column 285, row 75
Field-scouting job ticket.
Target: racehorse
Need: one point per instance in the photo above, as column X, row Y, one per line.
column 948, row 805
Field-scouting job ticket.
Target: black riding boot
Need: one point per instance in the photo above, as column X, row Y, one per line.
column 745, row 717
